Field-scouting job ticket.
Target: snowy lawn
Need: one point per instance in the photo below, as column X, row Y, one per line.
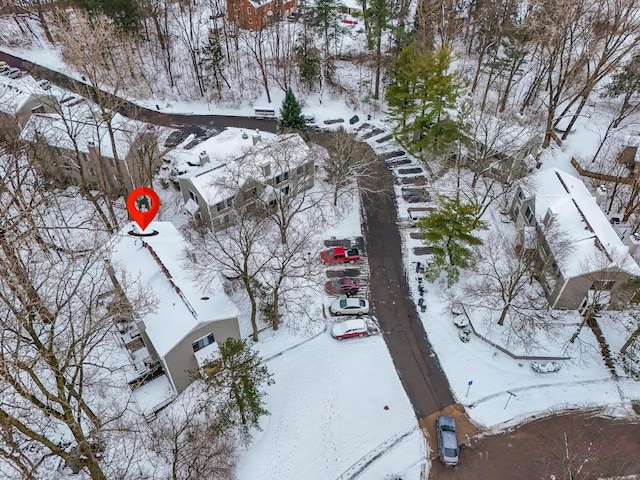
column 329, row 414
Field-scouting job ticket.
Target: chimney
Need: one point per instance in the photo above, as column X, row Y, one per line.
column 204, row 158
column 256, row 137
column 632, row 241
column 601, row 195
column 550, row 217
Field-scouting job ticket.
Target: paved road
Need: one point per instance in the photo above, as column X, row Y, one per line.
column 537, row 450
column 417, row 366
column 144, row 114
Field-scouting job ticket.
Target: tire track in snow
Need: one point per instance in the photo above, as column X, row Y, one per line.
column 358, row 467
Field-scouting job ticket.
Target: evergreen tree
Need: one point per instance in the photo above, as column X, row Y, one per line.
column 125, row 13
column 309, row 60
column 421, row 98
column 237, row 377
column 291, row 118
column 327, row 18
column 449, row 230
column 212, row 62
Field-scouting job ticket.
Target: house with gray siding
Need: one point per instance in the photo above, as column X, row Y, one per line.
column 186, row 321
column 591, row 267
column 280, row 166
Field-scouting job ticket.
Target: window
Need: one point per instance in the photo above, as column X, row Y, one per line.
column 94, row 186
column 528, row 213
column 226, row 203
column 516, row 211
column 203, row 342
column 603, row 285
column 236, row 7
column 249, row 10
column 300, row 170
column 66, row 166
column 92, row 172
column 286, row 190
column 193, row 196
column 283, row 177
column 520, row 194
column 84, row 156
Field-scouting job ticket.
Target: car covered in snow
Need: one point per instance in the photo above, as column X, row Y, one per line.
column 349, row 306
column 343, row 286
column 349, row 328
column 447, row 440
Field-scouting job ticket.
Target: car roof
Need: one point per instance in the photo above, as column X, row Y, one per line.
column 356, row 323
column 446, row 420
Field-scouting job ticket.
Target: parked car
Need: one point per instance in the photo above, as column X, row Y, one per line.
column 447, row 440
column 349, row 328
column 349, row 306
column 44, row 84
column 11, row 71
column 176, row 138
column 343, row 286
column 340, row 255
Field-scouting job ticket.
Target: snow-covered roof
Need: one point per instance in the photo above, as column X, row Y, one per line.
column 82, row 122
column 576, row 212
column 182, row 305
column 14, row 93
column 210, row 180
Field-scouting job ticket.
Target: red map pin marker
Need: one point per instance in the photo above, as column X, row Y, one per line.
column 143, row 204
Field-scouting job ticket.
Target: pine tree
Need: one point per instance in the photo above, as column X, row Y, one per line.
column 237, row 377
column 212, row 63
column 449, row 231
column 422, row 95
column 291, row 118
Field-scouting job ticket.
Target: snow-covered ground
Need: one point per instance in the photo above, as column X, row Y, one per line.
column 335, row 406
column 328, row 416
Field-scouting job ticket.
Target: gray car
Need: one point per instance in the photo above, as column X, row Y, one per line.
column 447, row 440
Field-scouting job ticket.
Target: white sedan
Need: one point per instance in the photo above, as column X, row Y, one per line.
column 349, row 306
column 355, row 327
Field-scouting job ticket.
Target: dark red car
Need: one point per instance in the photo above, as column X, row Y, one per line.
column 343, row 286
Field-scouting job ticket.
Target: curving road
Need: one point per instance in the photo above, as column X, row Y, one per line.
column 417, row 366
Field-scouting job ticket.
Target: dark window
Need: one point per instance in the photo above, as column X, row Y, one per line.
column 300, row 170
column 226, row 203
column 193, row 196
column 528, row 213
column 92, row 172
column 283, row 177
column 520, row 194
column 203, row 342
column 286, row 190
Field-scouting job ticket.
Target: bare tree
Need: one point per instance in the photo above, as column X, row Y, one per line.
column 58, row 308
column 572, row 452
column 237, row 251
column 190, row 440
column 350, row 165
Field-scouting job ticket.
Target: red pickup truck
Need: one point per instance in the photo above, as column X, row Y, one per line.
column 340, row 255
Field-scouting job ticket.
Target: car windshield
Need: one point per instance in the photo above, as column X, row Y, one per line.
column 330, row 253
column 362, row 303
column 450, row 452
column 336, row 283
column 447, row 428
column 343, row 303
